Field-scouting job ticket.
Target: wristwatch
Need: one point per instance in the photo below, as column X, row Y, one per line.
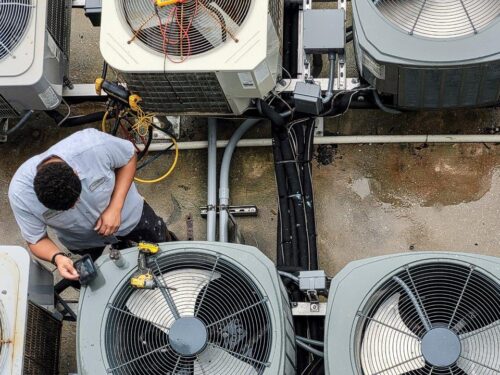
column 53, row 260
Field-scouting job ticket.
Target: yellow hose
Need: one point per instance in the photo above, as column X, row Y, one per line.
column 169, row 172
column 103, row 124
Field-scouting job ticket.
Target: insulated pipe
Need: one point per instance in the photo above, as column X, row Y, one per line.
column 345, row 140
column 212, row 181
column 224, row 178
column 27, row 115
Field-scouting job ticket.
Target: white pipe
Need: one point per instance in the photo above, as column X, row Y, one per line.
column 346, row 140
column 212, row 181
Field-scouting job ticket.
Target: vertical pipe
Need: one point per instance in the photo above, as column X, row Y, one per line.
column 224, row 178
column 212, row 181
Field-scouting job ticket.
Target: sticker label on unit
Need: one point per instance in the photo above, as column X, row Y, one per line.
column 377, row 69
column 262, row 73
column 246, row 80
column 49, row 98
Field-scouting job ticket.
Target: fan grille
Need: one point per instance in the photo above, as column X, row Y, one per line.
column 185, row 29
column 14, row 19
column 458, row 298
column 440, row 18
column 233, row 310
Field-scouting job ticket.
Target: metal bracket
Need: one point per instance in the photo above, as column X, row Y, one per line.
column 235, row 211
column 309, row 309
column 341, row 60
column 4, row 126
column 319, row 127
column 303, row 63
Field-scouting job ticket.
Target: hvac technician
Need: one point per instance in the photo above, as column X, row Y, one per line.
column 83, row 188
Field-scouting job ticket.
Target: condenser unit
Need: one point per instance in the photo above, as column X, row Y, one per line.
column 194, row 57
column 430, row 54
column 215, row 309
column 29, row 333
column 34, row 50
column 422, row 314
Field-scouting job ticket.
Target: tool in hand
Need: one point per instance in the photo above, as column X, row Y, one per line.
column 86, row 269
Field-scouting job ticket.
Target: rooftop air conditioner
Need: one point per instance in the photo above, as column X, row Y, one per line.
column 217, row 309
column 194, row 57
column 420, row 314
column 430, row 54
column 34, row 50
column 29, row 333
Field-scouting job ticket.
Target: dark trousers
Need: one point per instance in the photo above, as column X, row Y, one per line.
column 151, row 228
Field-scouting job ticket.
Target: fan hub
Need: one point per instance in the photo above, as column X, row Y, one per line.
column 441, row 347
column 188, row 336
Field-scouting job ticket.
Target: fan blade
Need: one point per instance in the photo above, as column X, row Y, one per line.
column 214, row 23
column 480, row 349
column 395, row 348
column 185, row 286
column 215, row 360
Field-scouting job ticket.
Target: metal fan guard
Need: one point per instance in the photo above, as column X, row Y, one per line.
column 454, row 296
column 440, row 18
column 14, row 19
column 208, row 26
column 134, row 346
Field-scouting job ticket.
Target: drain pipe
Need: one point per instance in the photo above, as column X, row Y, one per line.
column 345, row 140
column 224, row 178
column 212, row 181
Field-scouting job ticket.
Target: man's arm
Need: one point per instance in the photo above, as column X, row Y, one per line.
column 110, row 220
column 45, row 249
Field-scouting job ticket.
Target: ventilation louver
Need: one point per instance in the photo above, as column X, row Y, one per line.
column 207, row 316
column 439, row 314
column 234, row 43
column 430, row 54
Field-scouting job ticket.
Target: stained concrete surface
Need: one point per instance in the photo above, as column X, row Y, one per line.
column 370, row 199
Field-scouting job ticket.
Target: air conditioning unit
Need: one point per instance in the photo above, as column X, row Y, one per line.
column 34, row 50
column 194, row 57
column 29, row 333
column 216, row 309
column 430, row 54
column 421, row 313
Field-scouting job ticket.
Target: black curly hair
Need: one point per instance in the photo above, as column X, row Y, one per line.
column 57, row 186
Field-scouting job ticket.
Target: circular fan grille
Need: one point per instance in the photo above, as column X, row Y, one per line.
column 14, row 18
column 206, row 318
column 186, row 28
column 440, row 18
column 430, row 319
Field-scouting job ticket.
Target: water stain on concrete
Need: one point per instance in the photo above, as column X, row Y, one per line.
column 429, row 176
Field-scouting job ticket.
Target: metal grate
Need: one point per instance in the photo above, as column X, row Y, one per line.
column 14, row 20
column 440, row 18
column 6, row 110
column 59, row 23
column 189, row 28
column 207, row 317
column 432, row 319
column 179, row 92
column 42, row 343
column 276, row 10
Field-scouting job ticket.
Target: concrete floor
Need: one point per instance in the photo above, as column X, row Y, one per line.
column 370, row 199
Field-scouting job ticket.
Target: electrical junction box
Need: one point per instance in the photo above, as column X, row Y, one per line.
column 307, row 98
column 324, row 30
column 312, row 280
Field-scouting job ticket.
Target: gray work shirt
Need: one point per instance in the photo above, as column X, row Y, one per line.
column 94, row 156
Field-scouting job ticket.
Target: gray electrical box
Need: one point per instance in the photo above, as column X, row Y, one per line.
column 324, row 30
column 307, row 98
column 93, row 9
column 312, row 280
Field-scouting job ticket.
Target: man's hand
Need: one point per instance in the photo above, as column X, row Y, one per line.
column 66, row 268
column 109, row 221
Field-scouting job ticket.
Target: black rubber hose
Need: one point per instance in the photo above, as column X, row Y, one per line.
column 295, row 196
column 77, row 120
column 284, row 247
column 309, row 197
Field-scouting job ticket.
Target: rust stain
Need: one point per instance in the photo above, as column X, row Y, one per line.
column 3, row 342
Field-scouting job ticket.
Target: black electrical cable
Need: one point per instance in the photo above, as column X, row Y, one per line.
column 153, row 158
column 309, row 196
